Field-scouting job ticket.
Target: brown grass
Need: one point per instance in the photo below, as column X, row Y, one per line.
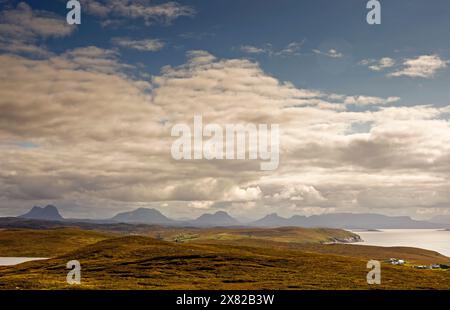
column 137, row 262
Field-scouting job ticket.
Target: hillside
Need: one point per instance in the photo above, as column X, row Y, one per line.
column 136, row 262
column 282, row 234
column 411, row 255
column 57, row 241
column 46, row 243
column 284, row 258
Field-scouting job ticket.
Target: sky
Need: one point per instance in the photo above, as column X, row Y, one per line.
column 86, row 110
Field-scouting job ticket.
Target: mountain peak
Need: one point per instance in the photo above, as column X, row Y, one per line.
column 271, row 220
column 220, row 218
column 142, row 216
column 221, row 213
column 343, row 220
column 49, row 213
column 272, row 215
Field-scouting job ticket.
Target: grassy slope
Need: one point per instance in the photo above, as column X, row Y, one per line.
column 412, row 255
column 310, row 240
column 46, row 243
column 137, row 262
column 52, row 242
column 283, row 234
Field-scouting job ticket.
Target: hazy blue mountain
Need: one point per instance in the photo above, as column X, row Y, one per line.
column 223, row 219
column 217, row 219
column 441, row 219
column 271, row 220
column 345, row 220
column 143, row 216
column 48, row 213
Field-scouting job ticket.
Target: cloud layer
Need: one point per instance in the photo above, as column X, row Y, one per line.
column 78, row 128
column 101, row 137
column 146, row 10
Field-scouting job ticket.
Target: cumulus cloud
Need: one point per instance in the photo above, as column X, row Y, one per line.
column 21, row 29
column 243, row 194
column 299, row 193
column 22, row 47
column 24, row 22
column 424, row 66
column 378, row 65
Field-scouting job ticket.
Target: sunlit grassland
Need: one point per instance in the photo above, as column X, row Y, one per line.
column 244, row 259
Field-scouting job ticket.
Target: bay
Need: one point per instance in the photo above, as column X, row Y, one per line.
column 10, row 261
column 429, row 239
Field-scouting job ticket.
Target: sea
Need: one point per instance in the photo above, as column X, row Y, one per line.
column 10, row 261
column 431, row 239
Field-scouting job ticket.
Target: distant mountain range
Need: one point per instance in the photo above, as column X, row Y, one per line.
column 223, row 219
column 346, row 220
column 441, row 219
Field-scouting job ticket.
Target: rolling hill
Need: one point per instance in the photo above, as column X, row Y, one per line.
column 138, row 262
column 47, row 242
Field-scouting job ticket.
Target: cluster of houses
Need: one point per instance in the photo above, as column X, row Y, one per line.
column 433, row 266
column 395, row 261
column 401, row 262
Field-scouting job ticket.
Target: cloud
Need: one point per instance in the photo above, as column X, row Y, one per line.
column 367, row 100
column 21, row 47
column 298, row 193
column 292, row 49
column 424, row 66
column 102, row 140
column 138, row 9
column 197, row 35
column 26, row 23
column 383, row 63
column 92, row 58
column 378, row 65
column 332, row 53
column 252, row 49
column 243, row 194
column 21, row 29
column 148, row 45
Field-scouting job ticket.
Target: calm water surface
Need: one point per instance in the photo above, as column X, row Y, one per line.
column 430, row 239
column 9, row 261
